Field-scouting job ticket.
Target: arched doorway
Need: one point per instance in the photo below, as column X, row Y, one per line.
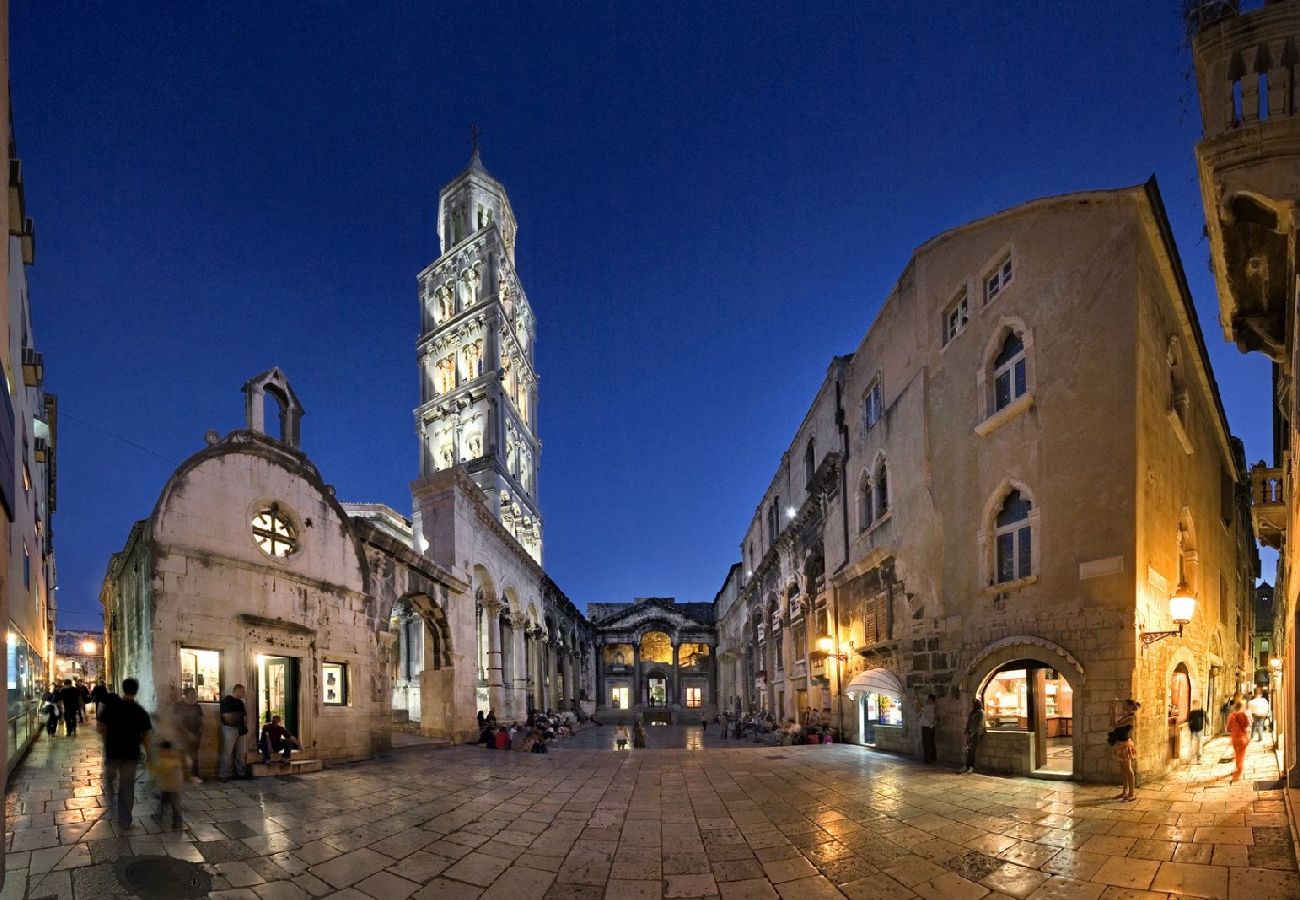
column 879, row 696
column 1027, row 696
column 1031, row 688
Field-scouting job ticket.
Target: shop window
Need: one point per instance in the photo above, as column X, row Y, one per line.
column 1006, row 701
column 334, row 684
column 201, row 670
column 883, row 709
column 694, row 697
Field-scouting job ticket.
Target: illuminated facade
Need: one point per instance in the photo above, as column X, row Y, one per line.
column 79, row 655
column 996, row 495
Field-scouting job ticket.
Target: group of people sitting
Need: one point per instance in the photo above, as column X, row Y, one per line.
column 531, row 737
column 757, row 724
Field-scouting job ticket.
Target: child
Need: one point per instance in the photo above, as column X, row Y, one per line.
column 168, row 768
column 620, row 736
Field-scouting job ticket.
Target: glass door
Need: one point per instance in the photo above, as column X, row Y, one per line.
column 619, row 696
column 278, row 690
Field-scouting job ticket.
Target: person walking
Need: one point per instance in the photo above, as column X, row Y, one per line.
column 1122, row 744
column 188, row 716
column 70, row 697
column 1259, row 714
column 1196, row 726
column 972, row 734
column 50, row 709
column 620, row 736
column 234, row 725
column 125, row 727
column 1239, row 730
column 99, row 696
column 638, row 736
column 929, row 709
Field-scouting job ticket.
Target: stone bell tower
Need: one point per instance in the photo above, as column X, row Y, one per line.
column 478, row 387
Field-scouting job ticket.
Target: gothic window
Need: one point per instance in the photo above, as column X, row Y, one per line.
column 1010, row 372
column 866, row 511
column 273, row 533
column 809, row 463
column 1013, row 539
column 881, row 489
column 871, row 406
column 956, row 316
column 996, row 281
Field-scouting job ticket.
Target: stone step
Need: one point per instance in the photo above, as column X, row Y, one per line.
column 401, row 716
column 293, row 767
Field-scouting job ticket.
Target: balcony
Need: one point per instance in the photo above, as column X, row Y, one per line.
column 1268, row 504
column 1250, row 114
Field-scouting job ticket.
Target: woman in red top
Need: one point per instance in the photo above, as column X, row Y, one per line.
column 1239, row 728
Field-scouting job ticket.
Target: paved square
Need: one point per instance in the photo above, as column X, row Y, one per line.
column 728, row 819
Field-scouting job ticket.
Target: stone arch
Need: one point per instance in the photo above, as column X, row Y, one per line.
column 1184, row 657
column 438, row 651
column 273, row 382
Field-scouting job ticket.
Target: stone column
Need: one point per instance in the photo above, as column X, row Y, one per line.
column 519, row 669
column 636, row 673
column 539, row 686
column 676, row 698
column 496, row 687
column 566, row 703
column 599, row 653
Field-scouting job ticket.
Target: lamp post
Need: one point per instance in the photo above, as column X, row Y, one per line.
column 826, row 645
column 1182, row 604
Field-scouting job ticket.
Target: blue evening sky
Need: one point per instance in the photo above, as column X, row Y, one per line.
column 713, row 199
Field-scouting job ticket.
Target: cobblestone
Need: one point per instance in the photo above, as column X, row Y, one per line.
column 728, row 819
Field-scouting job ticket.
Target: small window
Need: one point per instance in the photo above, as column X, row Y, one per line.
column 694, row 697
column 955, row 317
column 27, row 479
column 201, row 670
column 1013, row 539
column 27, row 568
column 274, row 535
column 334, row 684
column 882, row 490
column 866, row 513
column 997, row 280
column 809, row 463
column 871, row 408
column 1010, row 372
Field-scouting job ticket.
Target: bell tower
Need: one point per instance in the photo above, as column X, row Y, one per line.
column 478, row 387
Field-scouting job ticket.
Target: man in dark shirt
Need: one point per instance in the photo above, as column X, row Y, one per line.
column 70, row 697
column 125, row 727
column 276, row 739
column 234, row 725
column 188, row 716
column 1196, row 726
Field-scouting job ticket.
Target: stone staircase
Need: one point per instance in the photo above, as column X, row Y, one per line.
column 293, row 767
column 402, row 723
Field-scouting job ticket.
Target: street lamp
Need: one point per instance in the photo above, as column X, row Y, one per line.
column 826, row 646
column 88, row 647
column 1181, row 607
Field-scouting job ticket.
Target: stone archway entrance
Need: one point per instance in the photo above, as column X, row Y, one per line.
column 1031, row 689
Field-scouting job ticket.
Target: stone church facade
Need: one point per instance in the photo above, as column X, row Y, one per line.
column 350, row 619
column 995, row 496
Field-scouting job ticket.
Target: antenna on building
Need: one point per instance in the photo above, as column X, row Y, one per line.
column 474, row 132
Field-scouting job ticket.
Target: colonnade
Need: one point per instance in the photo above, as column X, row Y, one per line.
column 640, row 679
column 527, row 668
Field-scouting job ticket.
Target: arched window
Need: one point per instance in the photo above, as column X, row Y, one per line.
column 882, row 489
column 809, row 463
column 1013, row 539
column 865, row 505
column 1010, row 372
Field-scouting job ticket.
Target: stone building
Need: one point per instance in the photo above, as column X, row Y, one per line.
column 28, row 474
column 1249, row 162
column 249, row 571
column 996, row 495
column 349, row 619
column 656, row 659
column 79, row 654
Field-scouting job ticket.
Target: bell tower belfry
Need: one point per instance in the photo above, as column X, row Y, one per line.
column 478, row 387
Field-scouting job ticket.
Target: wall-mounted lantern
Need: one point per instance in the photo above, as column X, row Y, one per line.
column 1181, row 607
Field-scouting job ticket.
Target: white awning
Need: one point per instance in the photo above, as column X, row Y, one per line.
column 875, row 681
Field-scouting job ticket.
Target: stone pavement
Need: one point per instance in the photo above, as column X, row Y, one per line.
column 742, row 822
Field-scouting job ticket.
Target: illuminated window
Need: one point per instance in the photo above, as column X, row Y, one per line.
column 997, row 280
column 619, row 697
column 694, row 696
column 334, row 684
column 201, row 670
column 273, row 533
column 1006, row 701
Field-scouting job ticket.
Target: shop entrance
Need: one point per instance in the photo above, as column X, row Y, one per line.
column 657, row 690
column 277, row 687
column 619, row 697
column 1031, row 698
